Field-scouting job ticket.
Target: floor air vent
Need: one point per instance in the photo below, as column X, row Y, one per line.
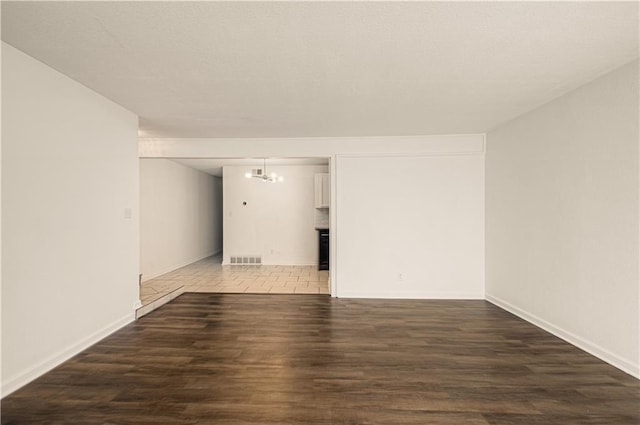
column 251, row 260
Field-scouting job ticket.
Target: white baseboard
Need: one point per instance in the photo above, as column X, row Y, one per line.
column 412, row 295
column 625, row 365
column 23, row 378
column 165, row 270
column 291, row 263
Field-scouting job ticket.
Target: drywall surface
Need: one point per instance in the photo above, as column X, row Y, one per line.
column 278, row 220
column 329, row 147
column 70, row 232
column 180, row 216
column 301, row 147
column 411, row 226
column 562, row 217
column 1, row 390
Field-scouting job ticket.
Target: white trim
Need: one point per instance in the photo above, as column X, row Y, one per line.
column 333, row 226
column 407, row 154
column 334, row 139
column 61, row 356
column 288, row 263
column 573, row 339
column 309, row 147
column 638, row 300
column 417, row 295
column 166, row 270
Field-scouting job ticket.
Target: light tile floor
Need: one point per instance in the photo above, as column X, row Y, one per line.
column 209, row 275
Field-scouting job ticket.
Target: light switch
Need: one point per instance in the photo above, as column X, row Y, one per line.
column 127, row 213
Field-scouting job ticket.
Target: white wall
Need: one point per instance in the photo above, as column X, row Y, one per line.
column 1, row 375
column 278, row 221
column 411, row 226
column 563, row 217
column 180, row 216
column 70, row 256
column 301, row 147
column 330, row 147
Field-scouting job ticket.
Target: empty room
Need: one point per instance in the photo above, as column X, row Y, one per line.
column 320, row 212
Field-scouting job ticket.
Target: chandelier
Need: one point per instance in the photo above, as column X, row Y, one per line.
column 261, row 173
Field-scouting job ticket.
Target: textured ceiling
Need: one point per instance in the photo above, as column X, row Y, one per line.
column 293, row 69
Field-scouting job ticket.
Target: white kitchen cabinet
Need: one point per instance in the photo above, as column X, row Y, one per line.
column 323, row 190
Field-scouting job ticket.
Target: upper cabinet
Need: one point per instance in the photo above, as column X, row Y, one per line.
column 323, row 190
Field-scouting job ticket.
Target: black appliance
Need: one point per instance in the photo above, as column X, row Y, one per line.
column 323, row 249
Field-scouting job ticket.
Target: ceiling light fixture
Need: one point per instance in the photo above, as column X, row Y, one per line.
column 261, row 173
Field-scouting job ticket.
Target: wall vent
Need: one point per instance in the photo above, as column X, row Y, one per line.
column 251, row 260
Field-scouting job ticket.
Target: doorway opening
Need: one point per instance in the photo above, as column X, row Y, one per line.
column 207, row 225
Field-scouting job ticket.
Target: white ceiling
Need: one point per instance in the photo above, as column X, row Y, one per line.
column 214, row 165
column 305, row 69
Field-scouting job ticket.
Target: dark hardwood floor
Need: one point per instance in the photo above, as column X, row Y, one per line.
column 311, row 359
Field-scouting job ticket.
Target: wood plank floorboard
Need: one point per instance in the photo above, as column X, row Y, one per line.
column 312, row 359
